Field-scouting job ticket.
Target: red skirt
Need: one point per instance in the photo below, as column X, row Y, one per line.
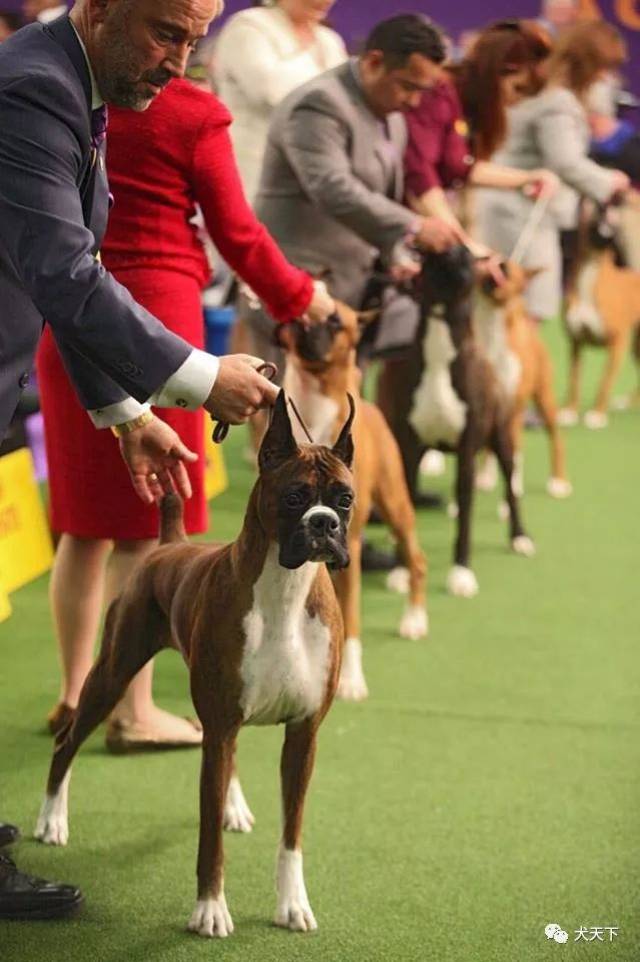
column 90, row 492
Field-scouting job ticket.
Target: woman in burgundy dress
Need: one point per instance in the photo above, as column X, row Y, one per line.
column 161, row 164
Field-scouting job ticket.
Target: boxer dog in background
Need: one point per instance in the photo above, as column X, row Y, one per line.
column 446, row 395
column 523, row 364
column 320, row 372
column 602, row 309
column 258, row 623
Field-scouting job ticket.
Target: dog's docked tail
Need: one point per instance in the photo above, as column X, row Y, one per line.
column 172, row 519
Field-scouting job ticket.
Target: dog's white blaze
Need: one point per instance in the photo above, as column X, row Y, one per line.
column 583, row 315
column 438, row 415
column 491, row 328
column 319, row 509
column 318, row 411
column 286, row 654
column 52, row 826
column 293, row 910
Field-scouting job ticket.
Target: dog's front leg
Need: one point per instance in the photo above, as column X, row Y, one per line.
column 293, row 910
column 211, row 916
column 461, row 580
column 503, row 449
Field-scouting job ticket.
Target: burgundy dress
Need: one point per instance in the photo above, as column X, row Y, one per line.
column 161, row 163
column 438, row 153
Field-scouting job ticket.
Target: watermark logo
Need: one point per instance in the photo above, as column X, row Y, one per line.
column 586, row 933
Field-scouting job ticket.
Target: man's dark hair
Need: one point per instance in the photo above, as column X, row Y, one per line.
column 400, row 36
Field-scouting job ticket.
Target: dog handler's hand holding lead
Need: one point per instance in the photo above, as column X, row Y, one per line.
column 239, row 390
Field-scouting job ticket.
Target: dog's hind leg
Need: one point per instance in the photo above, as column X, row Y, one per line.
column 298, row 753
column 568, row 415
column 502, row 446
column 558, row 485
column 237, row 814
column 348, row 584
column 461, row 580
column 598, row 416
column 135, row 630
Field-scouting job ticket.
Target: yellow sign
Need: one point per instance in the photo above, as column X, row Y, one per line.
column 25, row 543
column 215, row 474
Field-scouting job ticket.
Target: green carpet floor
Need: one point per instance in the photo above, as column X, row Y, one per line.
column 489, row 786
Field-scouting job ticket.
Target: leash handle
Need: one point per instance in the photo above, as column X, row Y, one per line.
column 531, row 224
column 221, row 429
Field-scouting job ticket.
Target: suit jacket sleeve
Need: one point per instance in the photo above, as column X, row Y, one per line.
column 42, row 230
column 316, row 145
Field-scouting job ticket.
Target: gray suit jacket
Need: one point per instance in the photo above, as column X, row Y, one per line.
column 53, row 214
column 326, row 179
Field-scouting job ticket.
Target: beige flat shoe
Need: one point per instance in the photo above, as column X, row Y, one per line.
column 124, row 737
column 59, row 717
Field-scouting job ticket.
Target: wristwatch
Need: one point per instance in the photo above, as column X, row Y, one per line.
column 120, row 429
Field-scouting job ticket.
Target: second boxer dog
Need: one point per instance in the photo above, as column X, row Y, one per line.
column 320, row 371
column 259, row 626
column 524, row 367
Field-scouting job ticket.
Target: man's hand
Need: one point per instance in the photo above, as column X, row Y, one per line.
column 321, row 306
column 239, row 391
column 438, row 235
column 155, row 456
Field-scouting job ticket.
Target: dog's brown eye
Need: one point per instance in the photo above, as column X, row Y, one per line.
column 294, row 499
column 345, row 500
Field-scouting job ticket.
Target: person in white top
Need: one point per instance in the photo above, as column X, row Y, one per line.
column 262, row 54
column 44, row 11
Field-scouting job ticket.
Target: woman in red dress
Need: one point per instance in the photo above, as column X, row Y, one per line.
column 161, row 164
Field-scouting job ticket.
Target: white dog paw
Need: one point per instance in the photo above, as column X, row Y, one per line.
column 398, row 580
column 524, row 546
column 414, row 623
column 567, row 417
column 211, row 918
column 596, row 420
column 622, row 403
column 293, row 910
column 352, row 685
column 51, row 828
column 237, row 814
column 487, row 476
column 559, row 488
column 433, row 463
column 452, row 510
column 462, row 582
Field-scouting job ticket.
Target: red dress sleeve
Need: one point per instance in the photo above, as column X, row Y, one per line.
column 242, row 240
column 437, row 153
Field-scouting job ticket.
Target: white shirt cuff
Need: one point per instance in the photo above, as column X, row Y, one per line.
column 190, row 386
column 117, row 413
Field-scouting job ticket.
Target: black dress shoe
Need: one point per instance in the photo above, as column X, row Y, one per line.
column 25, row 897
column 376, row 559
column 8, row 834
column 428, row 499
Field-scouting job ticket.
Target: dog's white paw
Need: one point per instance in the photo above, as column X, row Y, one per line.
column 293, row 910
column 559, row 488
column 462, row 582
column 622, row 403
column 487, row 476
column 237, row 814
column 524, row 546
column 433, row 463
column 452, row 510
column 567, row 417
column 596, row 420
column 352, row 685
column 211, row 918
column 414, row 623
column 52, row 826
column 398, row 580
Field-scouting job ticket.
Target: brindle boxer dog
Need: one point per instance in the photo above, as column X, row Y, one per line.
column 258, row 623
column 320, row 373
column 446, row 395
column 602, row 309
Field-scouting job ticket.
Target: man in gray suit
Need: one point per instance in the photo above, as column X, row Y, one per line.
column 332, row 180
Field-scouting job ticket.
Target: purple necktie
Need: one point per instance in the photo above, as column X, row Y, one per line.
column 98, row 126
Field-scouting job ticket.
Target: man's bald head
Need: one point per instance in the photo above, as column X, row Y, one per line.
column 137, row 46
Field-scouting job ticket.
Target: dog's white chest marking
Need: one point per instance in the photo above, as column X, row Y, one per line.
column 318, row 411
column 286, row 654
column 491, row 328
column 438, row 416
column 583, row 315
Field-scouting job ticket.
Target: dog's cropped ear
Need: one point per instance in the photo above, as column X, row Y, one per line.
column 531, row 272
column 279, row 443
column 343, row 448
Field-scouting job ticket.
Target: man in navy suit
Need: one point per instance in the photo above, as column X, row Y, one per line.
column 55, row 80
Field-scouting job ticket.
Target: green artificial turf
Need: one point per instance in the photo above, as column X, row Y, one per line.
column 489, row 786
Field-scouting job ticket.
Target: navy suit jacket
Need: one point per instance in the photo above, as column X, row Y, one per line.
column 53, row 215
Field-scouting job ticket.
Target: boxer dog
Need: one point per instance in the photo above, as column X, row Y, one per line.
column 524, row 368
column 446, row 395
column 258, row 624
column 602, row 309
column 320, row 372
